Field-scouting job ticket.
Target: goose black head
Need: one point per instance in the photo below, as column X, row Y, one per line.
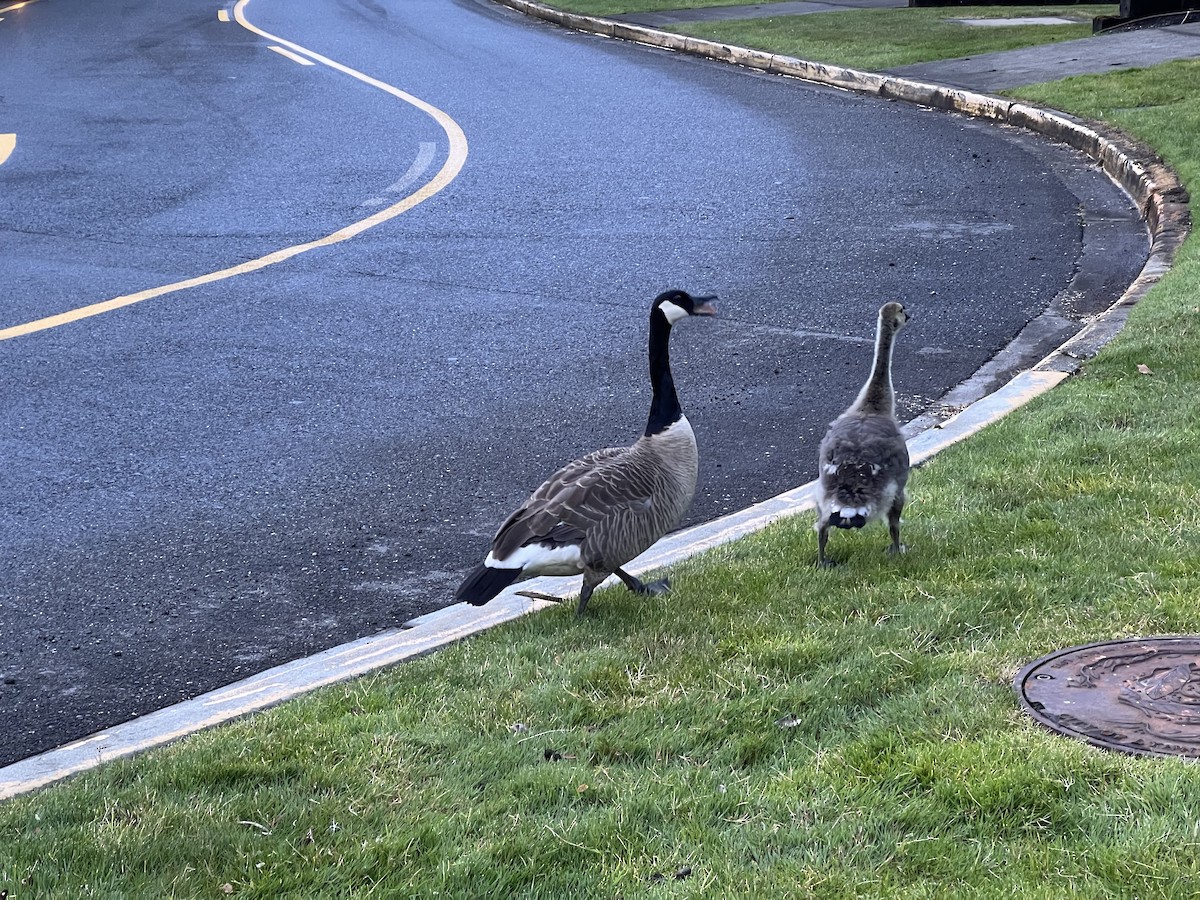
column 893, row 316
column 675, row 305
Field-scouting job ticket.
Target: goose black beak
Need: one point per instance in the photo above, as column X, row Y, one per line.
column 704, row 306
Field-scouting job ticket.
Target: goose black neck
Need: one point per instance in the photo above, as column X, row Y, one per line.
column 664, row 404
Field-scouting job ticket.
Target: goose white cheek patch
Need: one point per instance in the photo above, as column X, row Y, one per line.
column 673, row 311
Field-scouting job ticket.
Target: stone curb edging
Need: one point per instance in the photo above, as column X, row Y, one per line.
column 422, row 635
column 1155, row 189
column 442, row 627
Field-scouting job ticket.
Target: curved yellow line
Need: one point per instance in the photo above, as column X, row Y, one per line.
column 8, row 143
column 15, row 6
column 455, row 160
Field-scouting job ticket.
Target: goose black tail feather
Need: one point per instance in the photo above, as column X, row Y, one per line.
column 484, row 583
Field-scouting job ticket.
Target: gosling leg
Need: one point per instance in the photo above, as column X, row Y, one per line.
column 894, row 526
column 822, row 542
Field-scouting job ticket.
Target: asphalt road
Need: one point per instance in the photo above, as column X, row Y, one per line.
column 203, row 484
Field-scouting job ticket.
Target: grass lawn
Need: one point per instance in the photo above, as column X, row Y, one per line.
column 880, row 38
column 768, row 729
column 884, row 38
column 616, row 7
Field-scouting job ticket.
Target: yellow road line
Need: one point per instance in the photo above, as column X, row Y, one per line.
column 12, row 6
column 294, row 57
column 455, row 160
column 8, row 143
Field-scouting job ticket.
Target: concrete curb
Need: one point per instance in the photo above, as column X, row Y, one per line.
column 440, row 628
column 1155, row 189
column 418, row 637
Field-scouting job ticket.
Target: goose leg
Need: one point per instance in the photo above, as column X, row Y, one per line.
column 590, row 581
column 653, row 588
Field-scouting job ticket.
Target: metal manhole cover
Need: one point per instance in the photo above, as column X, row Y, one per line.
column 1138, row 696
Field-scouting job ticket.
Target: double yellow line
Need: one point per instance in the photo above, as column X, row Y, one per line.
column 455, row 160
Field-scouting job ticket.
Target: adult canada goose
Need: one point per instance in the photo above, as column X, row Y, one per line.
column 864, row 458
column 595, row 514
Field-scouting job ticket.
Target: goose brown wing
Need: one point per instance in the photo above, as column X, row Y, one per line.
column 573, row 500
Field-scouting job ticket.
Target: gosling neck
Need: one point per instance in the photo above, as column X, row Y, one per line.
column 877, row 396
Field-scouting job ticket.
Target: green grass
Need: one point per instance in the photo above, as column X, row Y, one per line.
column 1161, row 105
column 881, row 39
column 768, row 729
column 617, row 7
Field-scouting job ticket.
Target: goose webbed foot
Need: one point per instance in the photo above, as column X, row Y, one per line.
column 648, row 588
column 897, row 550
column 654, row 588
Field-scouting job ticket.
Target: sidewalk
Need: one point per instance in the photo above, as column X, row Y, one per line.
column 1050, row 62
column 991, row 71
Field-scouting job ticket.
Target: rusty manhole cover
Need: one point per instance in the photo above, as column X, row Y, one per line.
column 1139, row 696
